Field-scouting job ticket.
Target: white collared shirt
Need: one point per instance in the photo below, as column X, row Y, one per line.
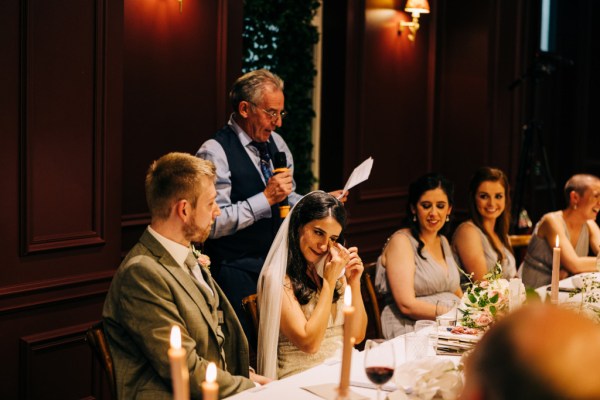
column 179, row 252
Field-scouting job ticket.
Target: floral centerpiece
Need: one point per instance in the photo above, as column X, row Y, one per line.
column 588, row 287
column 485, row 302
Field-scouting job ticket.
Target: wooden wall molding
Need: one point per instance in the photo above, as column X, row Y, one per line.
column 391, row 193
column 39, row 351
column 221, row 57
column 133, row 220
column 34, row 295
column 62, row 137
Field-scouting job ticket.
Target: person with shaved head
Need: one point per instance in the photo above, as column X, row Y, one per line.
column 539, row 352
column 577, row 232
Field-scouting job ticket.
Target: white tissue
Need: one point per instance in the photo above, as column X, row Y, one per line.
column 430, row 377
column 320, row 266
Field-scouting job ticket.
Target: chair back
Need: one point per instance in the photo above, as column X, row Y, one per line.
column 97, row 340
column 371, row 301
column 250, row 306
column 519, row 244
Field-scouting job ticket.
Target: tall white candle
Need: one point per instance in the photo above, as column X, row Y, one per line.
column 210, row 388
column 555, row 273
column 180, row 376
column 348, row 343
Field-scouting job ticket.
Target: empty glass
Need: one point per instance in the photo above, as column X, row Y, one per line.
column 415, row 346
column 427, row 327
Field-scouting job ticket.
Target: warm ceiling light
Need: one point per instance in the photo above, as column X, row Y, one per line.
column 416, row 8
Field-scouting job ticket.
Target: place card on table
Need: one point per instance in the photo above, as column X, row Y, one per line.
column 329, row 391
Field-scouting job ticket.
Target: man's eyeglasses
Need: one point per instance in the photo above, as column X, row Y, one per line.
column 273, row 114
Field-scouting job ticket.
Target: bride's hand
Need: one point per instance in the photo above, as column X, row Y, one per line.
column 355, row 267
column 339, row 257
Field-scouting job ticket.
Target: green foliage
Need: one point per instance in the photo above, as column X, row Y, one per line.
column 279, row 35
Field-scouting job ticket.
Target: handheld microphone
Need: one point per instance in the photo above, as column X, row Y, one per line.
column 280, row 164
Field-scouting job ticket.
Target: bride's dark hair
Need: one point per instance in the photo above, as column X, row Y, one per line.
column 313, row 206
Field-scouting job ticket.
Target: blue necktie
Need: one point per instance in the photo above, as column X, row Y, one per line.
column 265, row 159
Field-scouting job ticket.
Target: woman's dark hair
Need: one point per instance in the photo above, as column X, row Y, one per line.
column 416, row 189
column 487, row 174
column 313, row 206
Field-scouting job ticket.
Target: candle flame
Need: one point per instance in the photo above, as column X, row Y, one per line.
column 175, row 337
column 557, row 241
column 211, row 372
column 348, row 296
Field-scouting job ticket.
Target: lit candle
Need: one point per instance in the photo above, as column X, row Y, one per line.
column 555, row 273
column 348, row 343
column 180, row 377
column 210, row 388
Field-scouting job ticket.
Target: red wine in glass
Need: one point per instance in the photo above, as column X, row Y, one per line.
column 380, row 362
column 379, row 375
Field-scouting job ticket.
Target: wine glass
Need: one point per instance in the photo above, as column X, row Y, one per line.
column 380, row 362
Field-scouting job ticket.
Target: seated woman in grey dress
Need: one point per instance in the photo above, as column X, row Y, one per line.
column 417, row 267
column 301, row 289
column 482, row 241
column 577, row 231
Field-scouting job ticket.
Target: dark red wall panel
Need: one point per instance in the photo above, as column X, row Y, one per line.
column 60, row 211
column 62, row 130
column 177, row 73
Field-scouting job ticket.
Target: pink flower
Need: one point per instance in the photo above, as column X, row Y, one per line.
column 484, row 319
column 204, row 260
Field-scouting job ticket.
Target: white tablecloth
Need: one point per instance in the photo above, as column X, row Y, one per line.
column 291, row 388
column 567, row 283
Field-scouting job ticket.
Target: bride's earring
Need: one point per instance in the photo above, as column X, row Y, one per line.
column 447, row 218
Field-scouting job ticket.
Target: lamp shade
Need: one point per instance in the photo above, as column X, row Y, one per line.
column 417, row 6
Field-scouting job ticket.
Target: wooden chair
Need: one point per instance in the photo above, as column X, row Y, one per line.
column 250, row 306
column 97, row 341
column 519, row 240
column 519, row 244
column 371, row 301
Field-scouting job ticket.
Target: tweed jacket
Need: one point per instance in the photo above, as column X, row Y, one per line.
column 149, row 294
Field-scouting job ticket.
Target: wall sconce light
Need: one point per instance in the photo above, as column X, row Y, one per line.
column 180, row 6
column 416, row 8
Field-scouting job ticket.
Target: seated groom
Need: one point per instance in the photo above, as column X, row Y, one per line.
column 160, row 284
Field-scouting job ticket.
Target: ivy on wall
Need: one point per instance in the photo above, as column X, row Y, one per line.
column 279, row 35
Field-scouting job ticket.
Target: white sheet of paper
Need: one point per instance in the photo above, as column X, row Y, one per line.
column 360, row 174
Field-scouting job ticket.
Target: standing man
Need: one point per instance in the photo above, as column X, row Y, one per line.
column 161, row 284
column 248, row 193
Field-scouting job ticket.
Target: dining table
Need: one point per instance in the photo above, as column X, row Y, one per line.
column 294, row 387
column 298, row 386
column 569, row 288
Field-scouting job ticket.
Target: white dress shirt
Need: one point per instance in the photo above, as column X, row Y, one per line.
column 179, row 253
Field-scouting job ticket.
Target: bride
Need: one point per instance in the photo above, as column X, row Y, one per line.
column 301, row 286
